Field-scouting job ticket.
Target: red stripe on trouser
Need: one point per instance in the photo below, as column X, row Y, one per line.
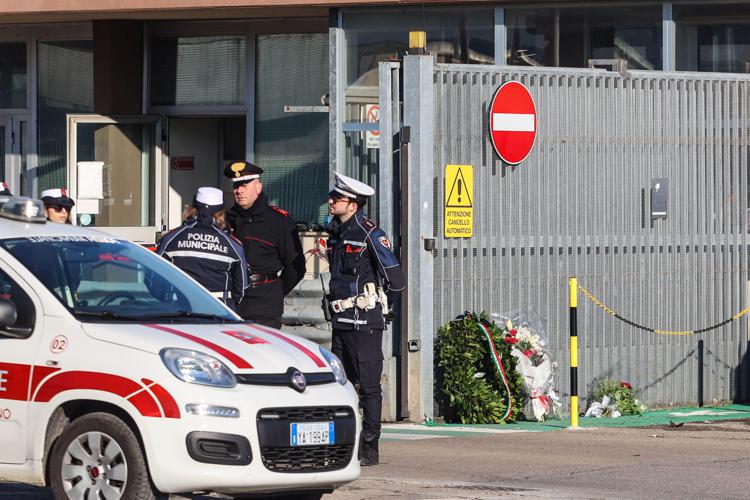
column 236, row 360
column 319, row 362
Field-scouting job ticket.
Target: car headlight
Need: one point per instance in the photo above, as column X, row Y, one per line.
column 336, row 365
column 197, row 368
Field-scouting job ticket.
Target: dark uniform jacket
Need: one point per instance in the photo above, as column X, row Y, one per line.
column 271, row 242
column 210, row 256
column 358, row 253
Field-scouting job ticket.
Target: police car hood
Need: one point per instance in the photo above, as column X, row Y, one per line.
column 243, row 347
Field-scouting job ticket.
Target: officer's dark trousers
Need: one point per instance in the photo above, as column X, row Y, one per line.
column 263, row 304
column 362, row 355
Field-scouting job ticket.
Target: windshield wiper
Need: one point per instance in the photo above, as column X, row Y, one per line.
column 103, row 314
column 187, row 314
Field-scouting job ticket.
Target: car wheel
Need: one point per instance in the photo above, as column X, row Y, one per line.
column 98, row 456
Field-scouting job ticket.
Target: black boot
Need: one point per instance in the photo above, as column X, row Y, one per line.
column 370, row 454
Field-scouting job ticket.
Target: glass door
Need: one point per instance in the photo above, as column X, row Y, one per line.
column 115, row 174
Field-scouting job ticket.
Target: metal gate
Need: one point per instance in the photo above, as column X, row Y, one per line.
column 579, row 206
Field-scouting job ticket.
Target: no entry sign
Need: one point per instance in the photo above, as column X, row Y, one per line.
column 512, row 122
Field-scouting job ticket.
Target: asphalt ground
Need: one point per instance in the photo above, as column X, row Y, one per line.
column 677, row 453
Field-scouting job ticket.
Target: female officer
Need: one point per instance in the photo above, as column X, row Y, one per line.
column 202, row 248
column 57, row 205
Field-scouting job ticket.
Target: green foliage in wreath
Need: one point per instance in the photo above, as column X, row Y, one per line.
column 472, row 384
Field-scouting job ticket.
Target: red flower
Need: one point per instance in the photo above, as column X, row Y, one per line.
column 626, row 385
column 528, row 353
column 512, row 332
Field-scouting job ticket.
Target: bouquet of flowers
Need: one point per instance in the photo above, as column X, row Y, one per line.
column 617, row 398
column 525, row 334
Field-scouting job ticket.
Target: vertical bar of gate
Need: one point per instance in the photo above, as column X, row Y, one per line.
column 573, row 291
column 385, row 220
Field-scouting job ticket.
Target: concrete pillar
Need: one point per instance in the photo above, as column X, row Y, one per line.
column 418, row 116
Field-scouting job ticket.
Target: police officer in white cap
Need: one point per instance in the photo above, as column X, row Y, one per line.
column 365, row 276
column 57, row 205
column 202, row 248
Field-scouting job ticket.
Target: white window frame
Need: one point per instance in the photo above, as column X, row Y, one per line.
column 144, row 234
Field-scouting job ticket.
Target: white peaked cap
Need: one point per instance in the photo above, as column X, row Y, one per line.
column 351, row 187
column 54, row 193
column 209, row 196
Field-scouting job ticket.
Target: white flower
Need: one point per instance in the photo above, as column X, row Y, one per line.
column 479, row 375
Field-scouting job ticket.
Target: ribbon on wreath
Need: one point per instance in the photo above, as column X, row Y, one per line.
column 499, row 366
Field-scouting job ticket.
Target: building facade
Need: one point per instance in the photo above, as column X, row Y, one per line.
column 132, row 106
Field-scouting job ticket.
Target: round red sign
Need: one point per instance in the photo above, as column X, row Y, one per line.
column 512, row 122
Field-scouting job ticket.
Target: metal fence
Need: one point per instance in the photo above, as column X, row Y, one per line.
column 579, row 205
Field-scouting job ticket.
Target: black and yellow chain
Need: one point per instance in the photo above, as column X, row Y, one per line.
column 612, row 312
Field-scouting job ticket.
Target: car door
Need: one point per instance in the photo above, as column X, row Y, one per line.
column 18, row 346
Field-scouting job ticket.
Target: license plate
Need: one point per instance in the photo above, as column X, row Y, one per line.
column 307, row 434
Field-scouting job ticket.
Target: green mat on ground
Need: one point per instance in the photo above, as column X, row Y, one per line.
column 650, row 418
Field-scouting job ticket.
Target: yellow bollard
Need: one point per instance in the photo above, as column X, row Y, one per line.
column 573, row 291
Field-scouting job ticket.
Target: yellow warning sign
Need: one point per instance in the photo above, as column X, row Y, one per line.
column 459, row 201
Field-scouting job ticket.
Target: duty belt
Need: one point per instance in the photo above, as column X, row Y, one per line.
column 262, row 279
column 364, row 301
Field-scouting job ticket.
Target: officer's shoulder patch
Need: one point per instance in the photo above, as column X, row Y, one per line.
column 368, row 224
column 384, row 241
column 279, row 210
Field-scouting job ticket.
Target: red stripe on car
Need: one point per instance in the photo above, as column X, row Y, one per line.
column 69, row 381
column 37, row 375
column 319, row 362
column 145, row 404
column 14, row 381
column 238, row 361
column 168, row 404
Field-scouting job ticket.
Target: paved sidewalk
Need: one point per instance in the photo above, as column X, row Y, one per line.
column 664, row 417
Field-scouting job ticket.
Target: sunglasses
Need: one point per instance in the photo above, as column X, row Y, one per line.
column 58, row 208
column 337, row 200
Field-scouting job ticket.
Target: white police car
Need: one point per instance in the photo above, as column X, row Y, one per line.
column 121, row 377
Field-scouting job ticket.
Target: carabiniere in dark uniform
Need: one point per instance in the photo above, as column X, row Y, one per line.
column 365, row 277
column 272, row 246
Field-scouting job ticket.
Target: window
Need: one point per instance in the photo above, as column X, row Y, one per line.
column 197, row 71
column 26, row 314
column 713, row 38
column 292, row 148
column 65, row 85
column 570, row 37
column 454, row 34
column 12, row 75
column 105, row 279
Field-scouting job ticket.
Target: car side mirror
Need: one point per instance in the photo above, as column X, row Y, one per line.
column 8, row 313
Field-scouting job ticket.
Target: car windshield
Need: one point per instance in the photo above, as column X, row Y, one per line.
column 105, row 279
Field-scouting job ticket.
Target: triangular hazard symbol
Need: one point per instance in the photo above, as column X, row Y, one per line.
column 459, row 197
